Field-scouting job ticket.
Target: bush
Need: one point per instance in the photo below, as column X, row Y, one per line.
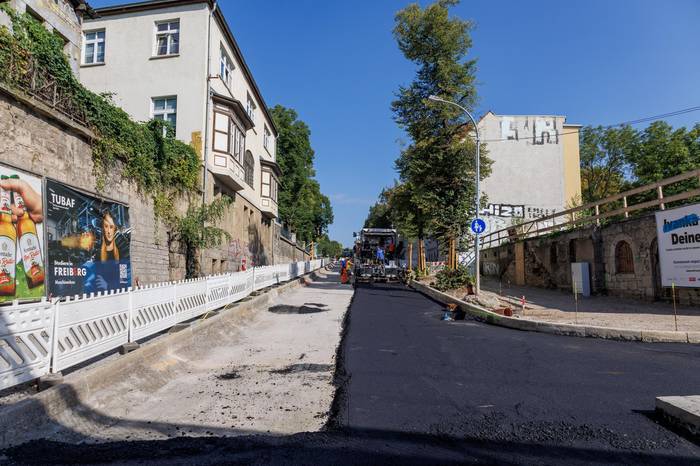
column 447, row 279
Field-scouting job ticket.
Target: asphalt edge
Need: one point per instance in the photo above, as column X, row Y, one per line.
column 588, row 331
column 341, row 378
column 17, row 421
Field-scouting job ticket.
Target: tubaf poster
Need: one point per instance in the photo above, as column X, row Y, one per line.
column 88, row 242
column 21, row 236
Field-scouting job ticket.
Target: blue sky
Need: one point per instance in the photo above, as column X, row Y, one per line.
column 337, row 64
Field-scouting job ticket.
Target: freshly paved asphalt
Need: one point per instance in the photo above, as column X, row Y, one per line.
column 503, row 395
column 416, row 390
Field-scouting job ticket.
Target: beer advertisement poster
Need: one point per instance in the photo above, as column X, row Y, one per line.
column 22, row 267
column 88, row 242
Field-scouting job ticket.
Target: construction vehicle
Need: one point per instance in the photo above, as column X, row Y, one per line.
column 378, row 257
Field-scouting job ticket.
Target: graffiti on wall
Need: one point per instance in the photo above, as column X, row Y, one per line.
column 239, row 254
column 505, row 210
column 535, row 130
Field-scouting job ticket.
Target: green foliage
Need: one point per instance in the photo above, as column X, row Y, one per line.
column 328, row 247
column 447, row 279
column 437, row 170
column 197, row 230
column 604, row 160
column 156, row 162
column 302, row 206
column 616, row 159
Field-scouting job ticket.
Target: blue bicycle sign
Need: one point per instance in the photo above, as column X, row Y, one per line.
column 478, row 226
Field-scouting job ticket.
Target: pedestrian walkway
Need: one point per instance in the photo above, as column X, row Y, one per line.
column 604, row 311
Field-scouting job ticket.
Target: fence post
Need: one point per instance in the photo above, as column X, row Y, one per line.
column 206, row 294
column 597, row 212
column 54, row 342
column 130, row 322
column 624, row 204
column 175, row 300
column 660, row 191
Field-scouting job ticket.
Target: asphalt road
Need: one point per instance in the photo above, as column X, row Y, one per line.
column 416, row 390
column 507, row 396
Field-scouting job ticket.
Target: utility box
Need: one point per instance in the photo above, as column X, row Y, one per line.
column 581, row 278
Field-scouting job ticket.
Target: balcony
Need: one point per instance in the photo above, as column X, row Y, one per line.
column 268, row 207
column 228, row 172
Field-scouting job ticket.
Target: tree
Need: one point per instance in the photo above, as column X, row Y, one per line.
column 379, row 215
column 605, row 155
column 329, row 248
column 437, row 169
column 302, row 206
column 194, row 231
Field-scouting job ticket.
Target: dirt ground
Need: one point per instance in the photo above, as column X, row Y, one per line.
column 273, row 373
column 603, row 311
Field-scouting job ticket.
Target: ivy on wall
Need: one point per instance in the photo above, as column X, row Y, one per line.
column 159, row 164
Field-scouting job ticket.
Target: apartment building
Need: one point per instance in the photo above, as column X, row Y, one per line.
column 536, row 170
column 177, row 60
column 62, row 17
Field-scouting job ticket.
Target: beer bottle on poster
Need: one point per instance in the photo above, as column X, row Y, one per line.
column 29, row 246
column 8, row 245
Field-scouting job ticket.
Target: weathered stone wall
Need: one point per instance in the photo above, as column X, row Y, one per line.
column 285, row 250
column 548, row 261
column 35, row 140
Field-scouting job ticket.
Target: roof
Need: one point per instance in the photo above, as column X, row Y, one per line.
column 160, row 4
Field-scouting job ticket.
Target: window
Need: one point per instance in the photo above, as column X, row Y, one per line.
column 268, row 185
column 238, row 140
column 624, row 261
column 266, row 138
column 165, row 108
column 226, row 69
column 250, row 108
column 168, row 38
column 94, row 47
column 249, row 168
column 222, row 130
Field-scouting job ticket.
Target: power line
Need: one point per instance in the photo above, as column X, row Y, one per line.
column 624, row 123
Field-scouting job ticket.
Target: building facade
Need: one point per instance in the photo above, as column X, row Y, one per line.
column 178, row 61
column 535, row 171
column 62, row 17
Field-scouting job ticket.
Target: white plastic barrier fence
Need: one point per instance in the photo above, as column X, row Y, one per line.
column 26, row 332
column 88, row 326
column 42, row 337
column 265, row 276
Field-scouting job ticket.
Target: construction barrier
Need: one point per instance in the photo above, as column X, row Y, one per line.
column 51, row 336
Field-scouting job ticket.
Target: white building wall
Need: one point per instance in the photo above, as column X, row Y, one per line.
column 527, row 174
column 240, row 89
column 134, row 74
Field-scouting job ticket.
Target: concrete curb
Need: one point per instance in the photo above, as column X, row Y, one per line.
column 608, row 333
column 682, row 411
column 21, row 421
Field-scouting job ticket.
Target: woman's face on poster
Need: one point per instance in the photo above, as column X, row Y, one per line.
column 109, row 229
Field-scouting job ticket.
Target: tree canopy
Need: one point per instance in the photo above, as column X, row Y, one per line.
column 438, row 166
column 616, row 159
column 302, row 206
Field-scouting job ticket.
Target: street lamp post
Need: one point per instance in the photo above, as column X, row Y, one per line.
column 477, row 287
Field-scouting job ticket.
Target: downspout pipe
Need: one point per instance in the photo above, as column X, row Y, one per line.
column 205, row 137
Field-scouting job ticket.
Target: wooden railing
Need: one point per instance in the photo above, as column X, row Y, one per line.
column 594, row 212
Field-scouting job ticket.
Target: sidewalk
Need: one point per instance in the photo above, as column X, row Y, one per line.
column 604, row 311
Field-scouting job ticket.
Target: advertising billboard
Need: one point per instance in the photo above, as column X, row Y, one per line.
column 88, row 242
column 22, row 268
column 678, row 233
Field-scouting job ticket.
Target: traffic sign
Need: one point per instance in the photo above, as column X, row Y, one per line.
column 478, row 226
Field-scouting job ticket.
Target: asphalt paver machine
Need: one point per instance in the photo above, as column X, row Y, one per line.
column 377, row 257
